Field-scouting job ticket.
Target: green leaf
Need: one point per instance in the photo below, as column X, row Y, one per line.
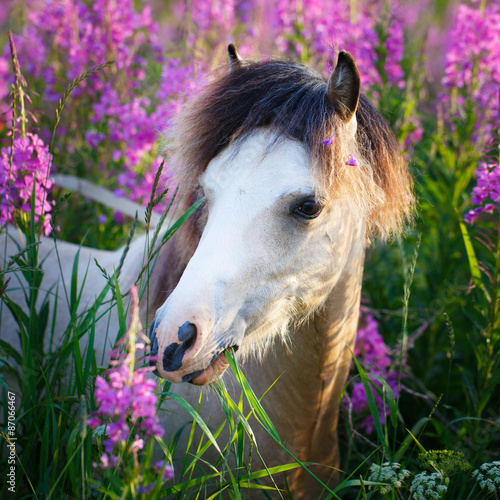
column 178, row 223
column 372, row 406
column 387, row 395
column 422, row 449
column 122, row 319
column 74, row 284
column 471, row 256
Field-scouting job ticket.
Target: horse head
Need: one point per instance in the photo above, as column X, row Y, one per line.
column 284, row 214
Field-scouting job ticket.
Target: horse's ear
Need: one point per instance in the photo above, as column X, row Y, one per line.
column 344, row 86
column 233, row 56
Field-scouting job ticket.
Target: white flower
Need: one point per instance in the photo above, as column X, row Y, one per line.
column 488, row 476
column 388, row 473
column 425, row 486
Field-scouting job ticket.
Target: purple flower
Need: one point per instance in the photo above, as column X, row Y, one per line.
column 486, row 188
column 323, row 25
column 127, row 399
column 104, row 461
column 145, row 489
column 64, row 38
column 31, row 163
column 473, row 65
column 94, row 422
column 168, row 470
column 353, row 161
column 328, row 142
column 137, row 445
column 117, row 431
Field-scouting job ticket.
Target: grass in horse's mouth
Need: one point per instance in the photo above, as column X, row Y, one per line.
column 215, row 369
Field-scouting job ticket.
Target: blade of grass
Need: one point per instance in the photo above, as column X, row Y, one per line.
column 122, row 321
column 471, row 256
column 372, row 406
column 196, row 416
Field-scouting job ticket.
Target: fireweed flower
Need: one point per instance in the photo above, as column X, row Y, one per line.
column 64, row 38
column 88, row 34
column 209, row 18
column 325, row 24
column 487, row 189
column 31, row 162
column 473, row 64
column 126, row 403
column 162, row 469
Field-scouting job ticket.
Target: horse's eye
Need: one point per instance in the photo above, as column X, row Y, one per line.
column 309, row 208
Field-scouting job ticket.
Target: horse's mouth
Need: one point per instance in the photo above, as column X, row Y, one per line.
column 213, row 371
column 209, row 374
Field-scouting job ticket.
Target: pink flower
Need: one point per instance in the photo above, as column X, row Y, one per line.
column 168, row 472
column 487, row 188
column 31, row 162
column 127, row 400
column 328, row 142
column 353, row 161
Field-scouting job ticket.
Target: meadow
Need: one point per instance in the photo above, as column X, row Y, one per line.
column 86, row 88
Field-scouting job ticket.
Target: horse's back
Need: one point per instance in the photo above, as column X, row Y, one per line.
column 61, row 264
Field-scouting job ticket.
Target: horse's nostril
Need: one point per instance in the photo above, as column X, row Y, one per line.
column 187, row 334
column 174, row 353
column 154, row 341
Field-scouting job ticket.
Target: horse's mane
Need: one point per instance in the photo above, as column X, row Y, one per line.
column 291, row 100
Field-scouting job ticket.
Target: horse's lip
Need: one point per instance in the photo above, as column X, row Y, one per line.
column 214, row 370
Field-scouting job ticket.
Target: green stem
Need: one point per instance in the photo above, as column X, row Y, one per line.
column 23, row 111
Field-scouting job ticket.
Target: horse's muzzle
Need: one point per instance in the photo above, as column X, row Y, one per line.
column 173, row 363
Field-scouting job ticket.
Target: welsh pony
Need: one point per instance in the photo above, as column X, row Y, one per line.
column 298, row 174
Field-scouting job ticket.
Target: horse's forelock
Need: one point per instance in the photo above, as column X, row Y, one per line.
column 287, row 97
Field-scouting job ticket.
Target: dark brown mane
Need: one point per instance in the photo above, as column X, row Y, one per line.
column 291, row 100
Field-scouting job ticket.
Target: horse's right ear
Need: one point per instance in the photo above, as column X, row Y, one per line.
column 344, row 87
column 233, row 57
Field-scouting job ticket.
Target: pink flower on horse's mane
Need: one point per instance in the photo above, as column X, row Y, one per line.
column 353, row 161
column 328, row 142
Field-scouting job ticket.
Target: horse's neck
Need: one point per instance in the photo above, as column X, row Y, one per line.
column 312, row 372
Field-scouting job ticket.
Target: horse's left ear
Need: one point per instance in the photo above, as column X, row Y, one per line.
column 344, row 87
column 233, row 56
